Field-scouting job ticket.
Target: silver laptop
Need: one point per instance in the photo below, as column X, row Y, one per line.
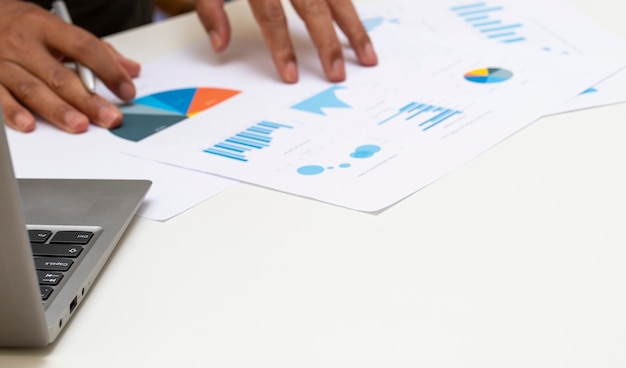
column 55, row 237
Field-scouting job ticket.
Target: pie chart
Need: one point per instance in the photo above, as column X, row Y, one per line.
column 152, row 113
column 488, row 75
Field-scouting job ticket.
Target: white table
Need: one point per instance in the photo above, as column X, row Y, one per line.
column 516, row 259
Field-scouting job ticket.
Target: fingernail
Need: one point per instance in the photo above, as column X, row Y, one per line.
column 127, row 91
column 24, row 122
column 108, row 117
column 369, row 55
column 216, row 40
column 75, row 122
column 290, row 73
column 337, row 71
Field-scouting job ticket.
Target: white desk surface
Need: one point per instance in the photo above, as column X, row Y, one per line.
column 516, row 259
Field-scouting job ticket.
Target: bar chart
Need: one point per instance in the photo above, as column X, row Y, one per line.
column 423, row 115
column 238, row 146
column 489, row 21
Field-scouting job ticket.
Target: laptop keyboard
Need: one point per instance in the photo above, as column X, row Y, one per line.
column 57, row 252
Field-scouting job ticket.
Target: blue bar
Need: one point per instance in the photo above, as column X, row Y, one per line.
column 257, row 129
column 468, row 6
column 501, row 28
column 487, row 23
column 476, row 18
column 418, row 106
column 255, row 137
column 231, row 147
column 439, row 118
column 501, row 35
column 226, row 154
column 486, row 10
column 389, row 118
column 269, row 124
column 425, row 109
column 428, row 108
column 444, row 116
column 519, row 39
column 407, row 107
column 430, row 126
column 244, row 142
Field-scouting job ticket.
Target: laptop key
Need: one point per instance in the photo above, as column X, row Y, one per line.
column 56, row 250
column 39, row 236
column 53, row 264
column 49, row 278
column 72, row 237
column 45, row 292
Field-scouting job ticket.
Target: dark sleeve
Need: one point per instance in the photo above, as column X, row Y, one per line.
column 104, row 17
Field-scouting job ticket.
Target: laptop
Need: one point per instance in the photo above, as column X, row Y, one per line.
column 55, row 237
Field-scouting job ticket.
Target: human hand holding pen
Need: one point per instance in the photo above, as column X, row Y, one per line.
column 33, row 80
column 85, row 74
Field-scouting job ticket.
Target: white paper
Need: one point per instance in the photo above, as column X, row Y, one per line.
column 400, row 31
column 356, row 144
column 551, row 26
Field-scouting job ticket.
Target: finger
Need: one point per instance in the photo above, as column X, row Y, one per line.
column 270, row 16
column 14, row 114
column 70, row 115
column 215, row 22
column 67, row 86
column 348, row 20
column 318, row 18
column 132, row 67
column 87, row 49
column 31, row 91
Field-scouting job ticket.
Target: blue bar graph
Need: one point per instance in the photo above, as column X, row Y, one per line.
column 253, row 138
column 426, row 116
column 487, row 20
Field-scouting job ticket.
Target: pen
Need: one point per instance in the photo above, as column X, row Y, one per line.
column 86, row 75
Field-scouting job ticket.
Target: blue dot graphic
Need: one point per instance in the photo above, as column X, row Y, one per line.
column 310, row 170
column 365, row 151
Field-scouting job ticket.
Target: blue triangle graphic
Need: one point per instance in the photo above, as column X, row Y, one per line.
column 322, row 100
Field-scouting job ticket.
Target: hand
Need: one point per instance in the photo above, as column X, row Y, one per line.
column 33, row 80
column 320, row 16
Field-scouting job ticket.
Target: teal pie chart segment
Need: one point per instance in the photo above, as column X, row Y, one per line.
column 139, row 126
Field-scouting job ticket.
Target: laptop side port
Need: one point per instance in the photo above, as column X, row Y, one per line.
column 73, row 304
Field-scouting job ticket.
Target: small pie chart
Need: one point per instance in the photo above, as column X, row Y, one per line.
column 151, row 114
column 488, row 75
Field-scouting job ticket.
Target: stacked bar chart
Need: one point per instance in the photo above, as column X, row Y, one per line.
column 238, row 146
column 489, row 21
column 425, row 116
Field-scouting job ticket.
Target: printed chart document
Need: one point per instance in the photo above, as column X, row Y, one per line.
column 455, row 78
column 551, row 26
column 369, row 142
